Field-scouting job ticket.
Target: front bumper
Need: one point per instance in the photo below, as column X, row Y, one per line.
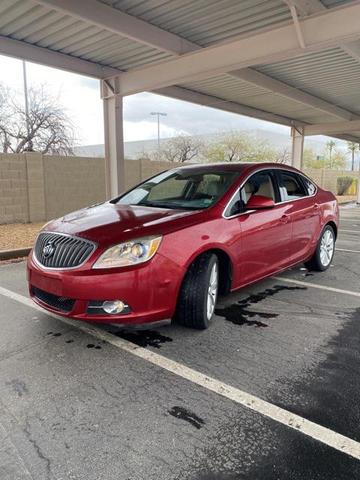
column 150, row 290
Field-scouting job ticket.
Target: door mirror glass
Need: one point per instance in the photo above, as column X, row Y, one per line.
column 258, row 202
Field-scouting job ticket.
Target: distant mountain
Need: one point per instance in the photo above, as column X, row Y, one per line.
column 135, row 149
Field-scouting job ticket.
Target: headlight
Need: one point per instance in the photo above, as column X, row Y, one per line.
column 129, row 253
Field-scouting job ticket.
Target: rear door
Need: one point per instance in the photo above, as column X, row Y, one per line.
column 298, row 194
column 266, row 233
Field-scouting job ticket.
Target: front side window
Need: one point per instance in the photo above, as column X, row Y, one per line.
column 291, row 185
column 260, row 183
column 182, row 188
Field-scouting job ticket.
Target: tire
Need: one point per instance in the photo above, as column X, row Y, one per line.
column 193, row 304
column 321, row 260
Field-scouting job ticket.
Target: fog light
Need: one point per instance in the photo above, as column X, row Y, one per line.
column 115, row 306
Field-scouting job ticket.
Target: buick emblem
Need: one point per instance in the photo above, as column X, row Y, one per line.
column 48, row 250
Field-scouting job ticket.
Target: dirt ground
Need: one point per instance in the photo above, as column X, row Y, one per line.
column 20, row 235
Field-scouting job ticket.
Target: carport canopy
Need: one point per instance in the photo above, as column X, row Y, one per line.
column 292, row 62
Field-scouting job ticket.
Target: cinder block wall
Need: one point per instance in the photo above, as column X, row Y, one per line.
column 71, row 183
column 36, row 188
column 13, row 189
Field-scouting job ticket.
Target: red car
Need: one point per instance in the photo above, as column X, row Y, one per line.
column 167, row 247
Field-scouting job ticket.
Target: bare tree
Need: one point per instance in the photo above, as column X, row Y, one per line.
column 283, row 155
column 46, row 129
column 182, row 148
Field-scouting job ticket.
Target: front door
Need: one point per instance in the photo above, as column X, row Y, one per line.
column 265, row 234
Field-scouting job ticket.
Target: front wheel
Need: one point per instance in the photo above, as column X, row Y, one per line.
column 198, row 295
column 321, row 260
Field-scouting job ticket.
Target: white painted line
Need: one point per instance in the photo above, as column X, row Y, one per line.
column 346, row 250
column 348, row 231
column 280, row 415
column 315, row 285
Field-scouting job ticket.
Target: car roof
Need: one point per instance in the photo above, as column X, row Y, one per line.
column 234, row 166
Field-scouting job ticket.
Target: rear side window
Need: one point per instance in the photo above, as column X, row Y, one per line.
column 292, row 186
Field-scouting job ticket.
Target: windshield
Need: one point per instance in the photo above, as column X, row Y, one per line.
column 184, row 189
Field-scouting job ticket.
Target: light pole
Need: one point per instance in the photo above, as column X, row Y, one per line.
column 29, row 147
column 158, row 115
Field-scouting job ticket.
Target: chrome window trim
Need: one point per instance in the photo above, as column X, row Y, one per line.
column 41, row 266
column 278, row 203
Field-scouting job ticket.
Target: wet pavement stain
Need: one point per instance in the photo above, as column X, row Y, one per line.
column 69, row 341
column 92, row 345
column 18, row 386
column 187, row 415
column 144, row 338
column 239, row 313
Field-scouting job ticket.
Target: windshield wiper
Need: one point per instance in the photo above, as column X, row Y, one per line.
column 153, row 204
column 169, row 206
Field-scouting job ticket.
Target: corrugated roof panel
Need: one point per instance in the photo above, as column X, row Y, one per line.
column 236, row 90
column 334, row 3
column 227, row 86
column 206, row 21
column 27, row 21
column 328, row 74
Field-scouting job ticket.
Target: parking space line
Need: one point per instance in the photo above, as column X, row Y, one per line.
column 348, row 231
column 346, row 250
column 320, row 287
column 322, row 434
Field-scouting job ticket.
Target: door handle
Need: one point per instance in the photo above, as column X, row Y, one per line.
column 285, row 219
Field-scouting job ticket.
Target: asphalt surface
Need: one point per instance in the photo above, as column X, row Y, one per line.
column 74, row 407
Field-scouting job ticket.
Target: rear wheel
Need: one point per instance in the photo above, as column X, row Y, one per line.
column 198, row 293
column 321, row 260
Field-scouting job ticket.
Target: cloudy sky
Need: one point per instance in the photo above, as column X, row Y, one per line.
column 80, row 96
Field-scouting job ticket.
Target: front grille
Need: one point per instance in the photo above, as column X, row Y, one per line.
column 62, row 304
column 54, row 250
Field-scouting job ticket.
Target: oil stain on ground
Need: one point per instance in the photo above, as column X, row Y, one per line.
column 144, row 338
column 92, row 345
column 239, row 313
column 188, row 416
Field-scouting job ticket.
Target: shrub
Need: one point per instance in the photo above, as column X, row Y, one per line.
column 343, row 185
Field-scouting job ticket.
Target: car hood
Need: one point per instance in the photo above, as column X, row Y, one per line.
column 109, row 223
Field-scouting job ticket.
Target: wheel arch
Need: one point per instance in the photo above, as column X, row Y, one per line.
column 225, row 267
column 333, row 226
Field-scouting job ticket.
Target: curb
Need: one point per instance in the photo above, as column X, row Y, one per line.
column 17, row 253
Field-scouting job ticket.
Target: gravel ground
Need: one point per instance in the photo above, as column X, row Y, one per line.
column 20, row 235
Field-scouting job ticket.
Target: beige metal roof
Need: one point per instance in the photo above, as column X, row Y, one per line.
column 325, row 82
column 206, row 22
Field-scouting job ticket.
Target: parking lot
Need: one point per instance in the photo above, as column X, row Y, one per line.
column 170, row 403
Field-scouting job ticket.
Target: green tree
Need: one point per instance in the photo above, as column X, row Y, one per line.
column 330, row 146
column 240, row 147
column 352, row 147
column 311, row 160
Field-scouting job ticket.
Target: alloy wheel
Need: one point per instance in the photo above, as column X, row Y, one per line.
column 212, row 290
column 327, row 246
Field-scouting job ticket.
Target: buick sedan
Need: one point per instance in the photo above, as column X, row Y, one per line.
column 166, row 248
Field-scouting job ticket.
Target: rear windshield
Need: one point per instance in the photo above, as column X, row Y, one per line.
column 183, row 189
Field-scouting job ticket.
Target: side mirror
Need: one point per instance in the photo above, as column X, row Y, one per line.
column 257, row 202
